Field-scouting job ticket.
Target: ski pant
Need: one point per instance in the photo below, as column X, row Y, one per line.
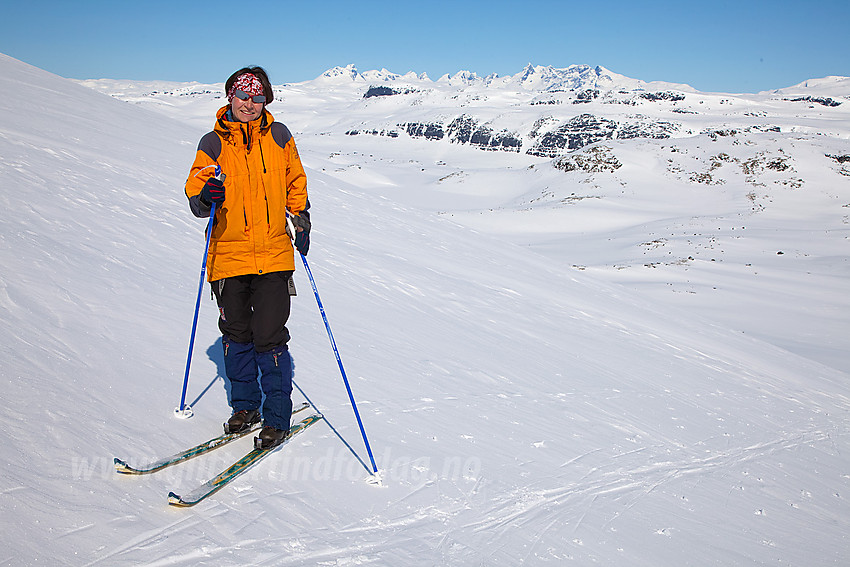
column 254, row 308
column 253, row 312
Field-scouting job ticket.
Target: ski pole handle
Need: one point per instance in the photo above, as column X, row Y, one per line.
column 219, row 175
column 290, row 227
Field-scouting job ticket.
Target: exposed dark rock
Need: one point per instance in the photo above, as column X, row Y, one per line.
column 598, row 159
column 705, row 179
column 387, row 91
column 778, row 164
column 653, row 129
column 504, row 140
column 585, row 96
column 819, row 100
column 379, row 91
column 388, row 133
column 762, row 128
column 586, row 129
column 714, row 133
column 575, row 133
column 466, row 130
column 539, row 124
column 461, row 128
column 655, row 97
column 432, row 131
column 844, row 162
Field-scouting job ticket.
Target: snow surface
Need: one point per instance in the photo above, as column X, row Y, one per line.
column 553, row 368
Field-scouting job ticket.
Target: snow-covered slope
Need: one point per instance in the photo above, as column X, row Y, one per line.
column 523, row 410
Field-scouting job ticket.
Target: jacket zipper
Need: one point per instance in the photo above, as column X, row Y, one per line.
column 246, row 137
column 247, row 140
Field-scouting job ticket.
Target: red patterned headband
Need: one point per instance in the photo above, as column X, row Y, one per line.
column 246, row 83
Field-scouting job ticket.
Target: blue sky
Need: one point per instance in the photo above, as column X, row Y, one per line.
column 713, row 45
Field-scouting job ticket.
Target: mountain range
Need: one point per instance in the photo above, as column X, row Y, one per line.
column 540, row 111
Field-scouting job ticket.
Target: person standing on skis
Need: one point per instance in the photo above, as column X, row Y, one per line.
column 251, row 258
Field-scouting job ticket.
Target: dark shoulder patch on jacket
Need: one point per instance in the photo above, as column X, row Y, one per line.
column 281, row 133
column 211, row 145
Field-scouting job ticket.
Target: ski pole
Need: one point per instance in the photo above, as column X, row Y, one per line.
column 329, row 424
column 184, row 411
column 339, row 362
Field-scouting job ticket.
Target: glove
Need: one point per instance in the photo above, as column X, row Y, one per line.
column 213, row 191
column 302, row 225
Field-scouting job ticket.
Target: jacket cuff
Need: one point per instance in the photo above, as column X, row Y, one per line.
column 199, row 208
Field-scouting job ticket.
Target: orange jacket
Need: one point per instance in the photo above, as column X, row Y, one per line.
column 264, row 176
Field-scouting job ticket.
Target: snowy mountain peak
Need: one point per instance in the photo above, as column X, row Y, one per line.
column 578, row 77
column 384, row 76
column 824, row 86
column 542, row 78
column 348, row 73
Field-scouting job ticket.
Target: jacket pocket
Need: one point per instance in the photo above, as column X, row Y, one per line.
column 276, row 212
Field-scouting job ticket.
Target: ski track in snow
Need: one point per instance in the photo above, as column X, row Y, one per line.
column 552, row 367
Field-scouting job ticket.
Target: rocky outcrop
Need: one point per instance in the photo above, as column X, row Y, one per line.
column 844, row 165
column 466, row 130
column 598, row 159
column 646, row 128
column 576, row 133
column 388, row 91
column 550, row 138
column 429, row 131
column 826, row 101
column 585, row 96
column 587, row 129
column 667, row 96
column 387, row 133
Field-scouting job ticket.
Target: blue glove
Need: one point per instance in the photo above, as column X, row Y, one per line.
column 302, row 225
column 213, row 192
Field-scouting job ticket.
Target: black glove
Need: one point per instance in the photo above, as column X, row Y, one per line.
column 213, row 191
column 302, row 225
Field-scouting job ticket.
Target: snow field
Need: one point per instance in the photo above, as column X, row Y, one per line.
column 535, row 392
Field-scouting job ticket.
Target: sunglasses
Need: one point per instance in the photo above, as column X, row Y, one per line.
column 242, row 95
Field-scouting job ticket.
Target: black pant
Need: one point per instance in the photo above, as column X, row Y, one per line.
column 254, row 308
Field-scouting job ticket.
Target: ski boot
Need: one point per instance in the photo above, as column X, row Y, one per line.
column 241, row 421
column 270, row 437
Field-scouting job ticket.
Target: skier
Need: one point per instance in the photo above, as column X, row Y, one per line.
column 251, row 257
